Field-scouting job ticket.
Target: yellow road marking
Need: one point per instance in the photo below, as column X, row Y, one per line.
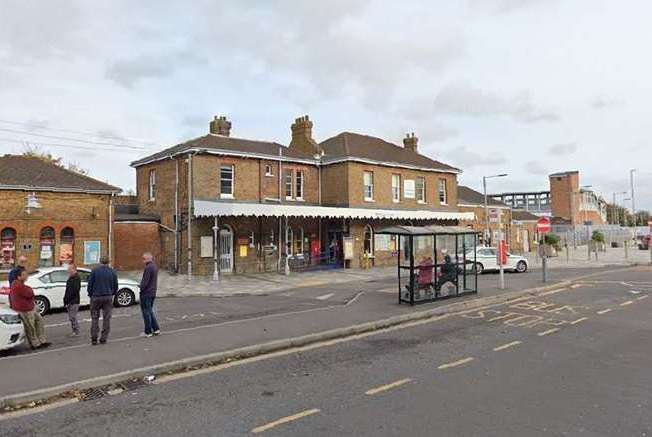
column 386, row 387
column 549, row 331
column 642, row 297
column 283, row 420
column 456, row 363
column 608, row 310
column 575, row 322
column 629, row 302
column 508, row 345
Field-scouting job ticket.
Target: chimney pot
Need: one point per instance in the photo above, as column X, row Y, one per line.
column 410, row 142
column 220, row 126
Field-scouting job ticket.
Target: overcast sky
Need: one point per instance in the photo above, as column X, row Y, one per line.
column 525, row 87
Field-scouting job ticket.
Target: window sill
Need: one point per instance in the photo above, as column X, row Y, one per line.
column 269, row 175
column 369, row 200
column 396, row 201
column 422, row 202
column 226, row 196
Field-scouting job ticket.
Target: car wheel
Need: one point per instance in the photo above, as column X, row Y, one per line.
column 521, row 267
column 478, row 268
column 42, row 305
column 124, row 298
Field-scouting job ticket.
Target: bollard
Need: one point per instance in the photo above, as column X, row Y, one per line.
column 626, row 249
column 567, row 254
column 544, row 260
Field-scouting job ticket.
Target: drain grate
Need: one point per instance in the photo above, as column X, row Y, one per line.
column 133, row 384
column 91, row 394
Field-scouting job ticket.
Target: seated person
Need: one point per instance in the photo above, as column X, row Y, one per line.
column 425, row 272
column 448, row 270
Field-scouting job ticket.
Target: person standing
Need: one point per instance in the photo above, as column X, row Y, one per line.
column 22, row 301
column 148, row 285
column 13, row 273
column 71, row 298
column 102, row 287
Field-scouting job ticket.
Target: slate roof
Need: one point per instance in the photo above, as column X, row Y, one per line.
column 523, row 216
column 29, row 173
column 224, row 143
column 352, row 145
column 467, row 196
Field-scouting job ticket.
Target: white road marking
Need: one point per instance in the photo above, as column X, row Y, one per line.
column 575, row 322
column 456, row 363
column 629, row 302
column 549, row 331
column 325, row 296
column 284, row 420
column 608, row 310
column 386, row 387
column 635, row 291
column 642, row 297
column 507, row 346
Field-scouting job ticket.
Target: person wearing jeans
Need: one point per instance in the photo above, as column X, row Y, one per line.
column 148, row 285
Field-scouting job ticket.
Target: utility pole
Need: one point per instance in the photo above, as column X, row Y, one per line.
column 631, row 182
column 486, row 203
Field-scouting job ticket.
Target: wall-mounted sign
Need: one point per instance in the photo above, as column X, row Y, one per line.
column 348, row 247
column 92, row 251
column 409, row 188
column 206, row 243
column 65, row 253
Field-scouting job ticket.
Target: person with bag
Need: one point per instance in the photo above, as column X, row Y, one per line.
column 71, row 298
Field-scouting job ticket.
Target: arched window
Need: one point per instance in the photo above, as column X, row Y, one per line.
column 7, row 248
column 66, row 248
column 298, row 242
column 46, row 255
column 368, row 240
column 289, row 237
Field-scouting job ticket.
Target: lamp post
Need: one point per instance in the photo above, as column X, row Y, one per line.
column 631, row 183
column 486, row 204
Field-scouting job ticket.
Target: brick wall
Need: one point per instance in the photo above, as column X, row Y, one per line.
column 131, row 240
column 86, row 214
column 564, row 193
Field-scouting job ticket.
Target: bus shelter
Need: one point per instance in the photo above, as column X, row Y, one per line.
column 434, row 262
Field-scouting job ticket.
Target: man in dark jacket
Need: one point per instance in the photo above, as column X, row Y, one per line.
column 20, row 265
column 71, row 298
column 102, row 286
column 22, row 301
column 148, row 285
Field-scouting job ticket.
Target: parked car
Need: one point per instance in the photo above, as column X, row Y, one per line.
column 645, row 242
column 12, row 332
column 486, row 260
column 49, row 284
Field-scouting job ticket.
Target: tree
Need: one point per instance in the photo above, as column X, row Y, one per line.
column 642, row 218
column 34, row 151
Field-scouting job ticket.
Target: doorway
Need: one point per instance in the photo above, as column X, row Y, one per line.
column 226, row 250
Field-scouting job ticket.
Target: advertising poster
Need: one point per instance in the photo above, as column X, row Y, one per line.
column 92, row 250
column 65, row 253
column 348, row 247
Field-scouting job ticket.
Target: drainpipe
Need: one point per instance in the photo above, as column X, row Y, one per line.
column 216, row 272
column 190, row 213
column 110, row 248
column 176, row 215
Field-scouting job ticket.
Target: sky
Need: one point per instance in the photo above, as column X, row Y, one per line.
column 524, row 87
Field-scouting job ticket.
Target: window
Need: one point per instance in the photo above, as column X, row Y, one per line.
column 368, row 239
column 368, row 180
column 297, row 242
column 269, row 170
column 421, row 190
column 289, row 236
column 226, row 181
column 443, row 195
column 299, row 185
column 58, row 276
column 7, row 248
column 152, row 185
column 396, row 188
column 288, row 184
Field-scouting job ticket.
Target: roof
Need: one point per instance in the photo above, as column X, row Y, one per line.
column 227, row 145
column 524, row 216
column 31, row 173
column 377, row 150
column 425, row 230
column 468, row 196
column 211, row 208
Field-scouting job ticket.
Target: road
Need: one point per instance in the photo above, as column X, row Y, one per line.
column 573, row 362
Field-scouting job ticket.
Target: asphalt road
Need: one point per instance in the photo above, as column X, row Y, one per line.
column 575, row 362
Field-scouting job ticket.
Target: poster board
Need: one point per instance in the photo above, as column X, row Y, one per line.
column 65, row 253
column 206, row 246
column 92, row 251
column 348, row 248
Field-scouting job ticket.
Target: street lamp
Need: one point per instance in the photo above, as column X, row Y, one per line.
column 486, row 205
column 631, row 183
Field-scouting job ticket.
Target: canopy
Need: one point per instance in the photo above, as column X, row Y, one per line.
column 426, row 230
column 211, row 208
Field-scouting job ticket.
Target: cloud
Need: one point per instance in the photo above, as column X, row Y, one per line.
column 465, row 157
column 562, row 149
column 602, row 102
column 535, row 168
column 463, row 99
column 128, row 72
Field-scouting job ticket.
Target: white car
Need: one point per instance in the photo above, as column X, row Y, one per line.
column 12, row 332
column 49, row 285
column 487, row 259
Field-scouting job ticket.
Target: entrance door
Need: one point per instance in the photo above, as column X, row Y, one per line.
column 226, row 250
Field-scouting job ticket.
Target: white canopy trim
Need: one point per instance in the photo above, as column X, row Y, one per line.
column 210, row 208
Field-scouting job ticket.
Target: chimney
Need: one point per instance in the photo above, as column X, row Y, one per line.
column 410, row 142
column 220, row 126
column 302, row 136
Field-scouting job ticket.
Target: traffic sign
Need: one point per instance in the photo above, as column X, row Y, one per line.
column 494, row 215
column 543, row 225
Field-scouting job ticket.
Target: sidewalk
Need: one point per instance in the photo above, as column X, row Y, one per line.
column 578, row 258
column 50, row 372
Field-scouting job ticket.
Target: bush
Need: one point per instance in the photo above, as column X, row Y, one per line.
column 597, row 236
column 553, row 240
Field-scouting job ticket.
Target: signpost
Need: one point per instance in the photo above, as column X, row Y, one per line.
column 543, row 227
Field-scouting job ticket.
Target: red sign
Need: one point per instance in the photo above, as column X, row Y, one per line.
column 502, row 253
column 543, row 225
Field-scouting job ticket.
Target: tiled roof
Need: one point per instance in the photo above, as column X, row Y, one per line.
column 467, row 196
column 230, row 144
column 17, row 171
column 366, row 147
column 524, row 216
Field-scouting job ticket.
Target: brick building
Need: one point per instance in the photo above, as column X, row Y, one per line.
column 470, row 200
column 52, row 215
column 248, row 206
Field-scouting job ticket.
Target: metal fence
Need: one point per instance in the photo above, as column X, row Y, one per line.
column 581, row 234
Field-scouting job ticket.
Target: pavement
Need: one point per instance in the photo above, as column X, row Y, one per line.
column 200, row 329
column 578, row 258
column 571, row 361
